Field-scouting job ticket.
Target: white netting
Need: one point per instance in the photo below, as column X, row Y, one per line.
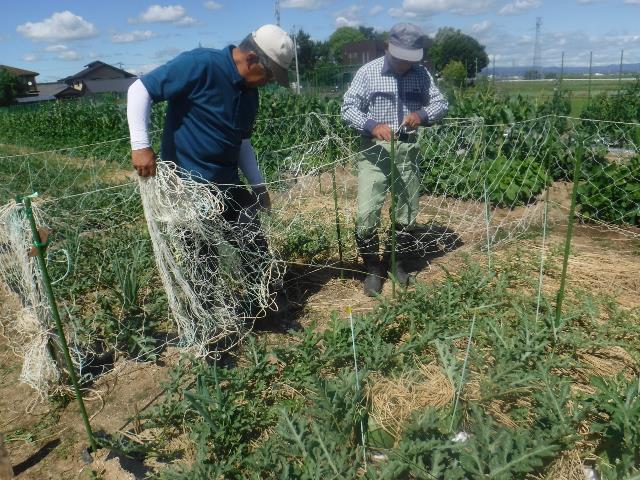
column 216, row 270
column 30, row 328
column 209, row 256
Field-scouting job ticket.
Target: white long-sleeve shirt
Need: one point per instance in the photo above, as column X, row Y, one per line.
column 139, row 112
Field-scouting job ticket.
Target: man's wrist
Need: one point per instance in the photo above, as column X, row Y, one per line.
column 370, row 125
column 424, row 117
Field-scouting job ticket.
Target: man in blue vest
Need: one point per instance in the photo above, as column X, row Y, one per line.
column 212, row 100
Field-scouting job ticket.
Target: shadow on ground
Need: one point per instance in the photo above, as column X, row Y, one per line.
column 303, row 281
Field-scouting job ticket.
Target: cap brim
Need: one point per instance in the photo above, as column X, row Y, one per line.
column 405, row 53
column 280, row 74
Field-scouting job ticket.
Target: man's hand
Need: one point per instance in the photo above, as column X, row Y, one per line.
column 144, row 161
column 263, row 197
column 382, row 132
column 412, row 120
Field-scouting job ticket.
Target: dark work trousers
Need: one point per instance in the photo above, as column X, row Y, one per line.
column 242, row 233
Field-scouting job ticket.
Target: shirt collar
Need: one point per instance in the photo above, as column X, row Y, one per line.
column 387, row 69
column 236, row 78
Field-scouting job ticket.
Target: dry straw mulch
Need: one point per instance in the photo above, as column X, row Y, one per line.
column 393, row 400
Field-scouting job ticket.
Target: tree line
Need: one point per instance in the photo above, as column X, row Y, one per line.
column 455, row 55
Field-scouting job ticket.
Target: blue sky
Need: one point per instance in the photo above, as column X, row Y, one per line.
column 57, row 38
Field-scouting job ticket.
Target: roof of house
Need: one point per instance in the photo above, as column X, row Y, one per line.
column 114, row 85
column 47, row 91
column 93, row 66
column 18, row 71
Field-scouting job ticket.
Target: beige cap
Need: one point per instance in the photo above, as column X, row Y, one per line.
column 278, row 46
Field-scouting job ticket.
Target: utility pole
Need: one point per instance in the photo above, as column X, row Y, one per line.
column 537, row 67
column 493, row 75
column 295, row 52
column 277, row 12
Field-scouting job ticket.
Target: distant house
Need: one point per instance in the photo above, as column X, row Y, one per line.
column 26, row 76
column 359, row 53
column 97, row 71
column 95, row 79
column 53, row 91
column 99, row 77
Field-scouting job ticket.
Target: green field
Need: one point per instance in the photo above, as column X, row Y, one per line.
column 580, row 89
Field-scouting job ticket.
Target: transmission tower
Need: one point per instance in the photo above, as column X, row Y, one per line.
column 537, row 67
column 277, row 12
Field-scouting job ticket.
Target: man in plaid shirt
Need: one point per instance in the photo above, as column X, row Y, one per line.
column 393, row 94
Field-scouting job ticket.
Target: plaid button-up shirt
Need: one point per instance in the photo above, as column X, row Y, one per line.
column 378, row 95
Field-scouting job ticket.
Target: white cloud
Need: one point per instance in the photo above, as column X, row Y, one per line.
column 156, row 13
column 211, row 5
column 345, row 22
column 433, row 7
column 132, row 37
column 186, row 22
column 349, row 17
column 304, row 4
column 587, row 2
column 519, row 6
column 30, row 57
column 56, row 48
column 517, row 50
column 632, row 2
column 175, row 14
column 60, row 26
column 69, row 55
column 481, row 27
column 376, row 10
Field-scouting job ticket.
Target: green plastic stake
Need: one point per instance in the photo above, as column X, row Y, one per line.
column 46, row 280
column 567, row 243
column 392, row 160
column 337, row 211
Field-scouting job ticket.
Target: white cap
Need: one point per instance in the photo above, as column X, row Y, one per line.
column 278, row 46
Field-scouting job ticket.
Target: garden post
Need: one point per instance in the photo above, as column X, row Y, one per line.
column 46, row 281
column 337, row 212
column 392, row 160
column 579, row 152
